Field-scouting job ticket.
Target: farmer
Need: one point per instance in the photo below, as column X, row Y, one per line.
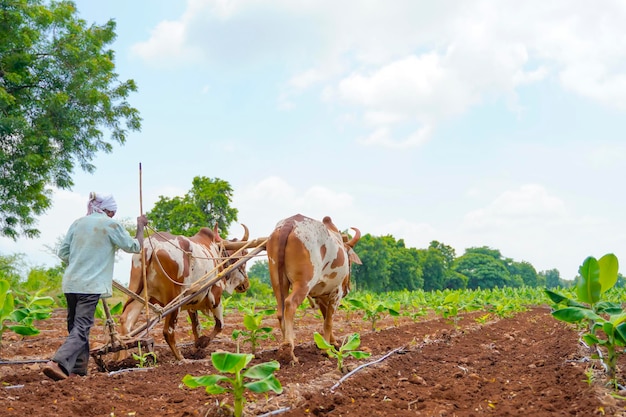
column 89, row 252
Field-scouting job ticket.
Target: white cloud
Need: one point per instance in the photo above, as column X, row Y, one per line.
column 167, row 46
column 529, row 206
column 417, row 61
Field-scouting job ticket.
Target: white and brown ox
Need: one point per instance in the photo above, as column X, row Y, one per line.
column 173, row 263
column 310, row 258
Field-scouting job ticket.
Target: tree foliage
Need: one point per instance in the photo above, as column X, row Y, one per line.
column 58, row 94
column 260, row 270
column 206, row 203
column 482, row 269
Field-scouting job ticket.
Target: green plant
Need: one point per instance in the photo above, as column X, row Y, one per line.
column 115, row 311
column 347, row 348
column 483, row 319
column 19, row 311
column 373, row 310
column 449, row 309
column 143, row 357
column 605, row 321
column 261, row 377
column 589, row 378
column 254, row 332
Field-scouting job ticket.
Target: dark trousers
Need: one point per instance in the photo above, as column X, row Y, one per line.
column 73, row 355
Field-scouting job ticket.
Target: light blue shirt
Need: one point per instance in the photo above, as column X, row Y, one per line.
column 89, row 251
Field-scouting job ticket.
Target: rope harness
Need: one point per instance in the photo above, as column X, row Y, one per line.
column 225, row 259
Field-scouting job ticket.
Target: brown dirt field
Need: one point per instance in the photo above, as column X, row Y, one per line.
column 527, row 365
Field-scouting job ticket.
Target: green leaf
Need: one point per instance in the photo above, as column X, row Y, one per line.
column 620, row 334
column 575, row 314
column 356, row 303
column 555, row 297
column 608, row 308
column 353, row 342
column 230, row 362
column 608, row 328
column 269, row 383
column 262, row 370
column 117, row 309
column 588, row 287
column 251, row 322
column 203, row 381
column 24, row 330
column 452, row 298
column 590, row 339
column 8, row 305
column 4, row 290
column 359, row 354
column 608, row 271
column 321, row 342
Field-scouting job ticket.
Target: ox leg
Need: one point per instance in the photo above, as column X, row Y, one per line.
column 327, row 311
column 297, row 296
column 169, row 333
column 129, row 317
column 218, row 316
column 195, row 326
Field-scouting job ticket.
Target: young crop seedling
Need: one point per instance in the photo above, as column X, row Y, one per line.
column 605, row 322
column 449, row 309
column 373, row 310
column 254, row 332
column 261, row 378
column 347, row 348
column 143, row 357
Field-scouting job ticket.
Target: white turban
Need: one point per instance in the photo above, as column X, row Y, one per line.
column 101, row 202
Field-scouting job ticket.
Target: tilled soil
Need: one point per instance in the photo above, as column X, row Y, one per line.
column 526, row 365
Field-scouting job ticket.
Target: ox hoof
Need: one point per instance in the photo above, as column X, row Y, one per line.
column 285, row 356
column 202, row 342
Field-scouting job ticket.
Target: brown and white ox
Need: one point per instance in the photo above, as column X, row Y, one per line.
column 311, row 259
column 173, row 263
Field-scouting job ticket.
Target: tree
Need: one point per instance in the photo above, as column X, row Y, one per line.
column 206, row 203
column 433, row 267
column 482, row 270
column 552, row 278
column 404, row 267
column 524, row 270
column 447, row 252
column 58, row 93
column 260, row 270
column 374, row 273
column 11, row 267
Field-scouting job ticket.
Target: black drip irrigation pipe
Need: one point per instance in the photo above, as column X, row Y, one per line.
column 22, row 362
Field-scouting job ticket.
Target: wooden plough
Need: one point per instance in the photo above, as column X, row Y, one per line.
column 141, row 335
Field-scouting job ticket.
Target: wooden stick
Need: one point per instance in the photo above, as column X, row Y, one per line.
column 143, row 256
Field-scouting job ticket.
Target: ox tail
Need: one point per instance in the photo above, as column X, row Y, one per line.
column 283, row 281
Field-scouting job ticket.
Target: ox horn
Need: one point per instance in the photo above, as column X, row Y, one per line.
column 357, row 236
column 217, row 233
column 236, row 245
column 246, row 234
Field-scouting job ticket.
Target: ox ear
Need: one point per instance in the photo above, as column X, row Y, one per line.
column 353, row 257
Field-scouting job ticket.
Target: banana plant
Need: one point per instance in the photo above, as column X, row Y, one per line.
column 373, row 310
column 261, row 378
column 347, row 348
column 18, row 313
column 254, row 332
column 605, row 321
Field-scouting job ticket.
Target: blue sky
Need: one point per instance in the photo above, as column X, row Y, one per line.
column 474, row 123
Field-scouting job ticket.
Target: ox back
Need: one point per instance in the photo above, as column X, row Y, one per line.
column 308, row 258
